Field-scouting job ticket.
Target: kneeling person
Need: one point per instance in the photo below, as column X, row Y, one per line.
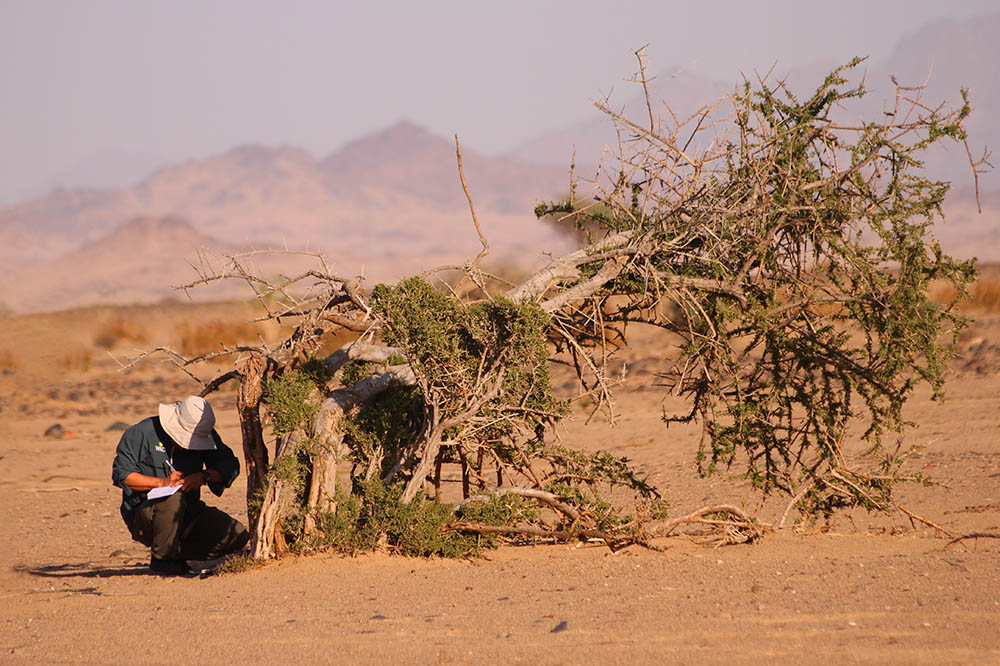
column 180, row 449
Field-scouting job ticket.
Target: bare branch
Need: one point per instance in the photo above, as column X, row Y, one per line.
column 359, row 350
column 475, row 220
column 534, row 493
column 664, row 527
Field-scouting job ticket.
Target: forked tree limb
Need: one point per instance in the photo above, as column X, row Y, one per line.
column 611, row 269
column 565, row 268
column 359, row 350
column 541, row 495
column 326, row 425
column 216, row 383
column 795, row 500
column 431, row 446
column 664, row 527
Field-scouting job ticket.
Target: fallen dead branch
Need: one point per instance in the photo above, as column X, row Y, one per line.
column 974, row 535
column 925, row 521
column 729, row 523
column 614, row 541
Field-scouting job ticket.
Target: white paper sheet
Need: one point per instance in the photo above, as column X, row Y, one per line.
column 165, row 491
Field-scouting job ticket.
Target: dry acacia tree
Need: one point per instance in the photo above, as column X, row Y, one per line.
column 786, row 252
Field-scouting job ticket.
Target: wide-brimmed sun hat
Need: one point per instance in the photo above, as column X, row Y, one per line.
column 189, row 423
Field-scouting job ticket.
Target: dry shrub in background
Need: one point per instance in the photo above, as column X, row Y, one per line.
column 9, row 361
column 118, row 329
column 196, row 339
column 77, row 359
column 984, row 294
column 334, row 341
column 985, row 297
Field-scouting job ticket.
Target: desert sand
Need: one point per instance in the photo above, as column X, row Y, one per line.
column 872, row 589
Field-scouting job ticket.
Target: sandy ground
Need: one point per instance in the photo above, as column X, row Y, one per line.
column 863, row 589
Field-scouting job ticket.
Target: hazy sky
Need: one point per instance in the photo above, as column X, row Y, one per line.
column 93, row 90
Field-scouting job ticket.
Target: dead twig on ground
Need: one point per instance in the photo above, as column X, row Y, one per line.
column 925, row 521
column 974, row 535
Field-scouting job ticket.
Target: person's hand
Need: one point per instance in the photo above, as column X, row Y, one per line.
column 192, row 481
column 172, row 480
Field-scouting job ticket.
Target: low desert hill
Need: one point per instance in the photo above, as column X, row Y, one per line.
column 383, row 206
column 145, row 260
column 369, row 190
column 411, row 163
column 137, row 262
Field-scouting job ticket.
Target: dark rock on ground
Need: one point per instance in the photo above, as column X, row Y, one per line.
column 562, row 626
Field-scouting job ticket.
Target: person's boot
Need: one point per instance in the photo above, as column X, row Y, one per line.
column 168, row 567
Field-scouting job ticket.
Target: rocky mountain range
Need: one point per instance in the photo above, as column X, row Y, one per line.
column 391, row 203
column 285, row 194
column 383, row 206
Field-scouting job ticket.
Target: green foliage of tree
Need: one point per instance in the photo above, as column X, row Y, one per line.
column 799, row 254
column 495, row 348
column 373, row 517
column 289, row 399
column 380, row 430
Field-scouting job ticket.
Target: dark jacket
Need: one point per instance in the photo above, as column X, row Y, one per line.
column 146, row 448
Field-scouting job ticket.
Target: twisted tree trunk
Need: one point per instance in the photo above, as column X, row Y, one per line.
column 327, row 434
column 248, row 405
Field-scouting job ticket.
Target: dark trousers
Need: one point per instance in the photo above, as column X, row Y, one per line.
column 178, row 529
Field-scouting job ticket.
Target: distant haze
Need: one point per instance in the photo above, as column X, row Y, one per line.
column 100, row 93
column 387, row 203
